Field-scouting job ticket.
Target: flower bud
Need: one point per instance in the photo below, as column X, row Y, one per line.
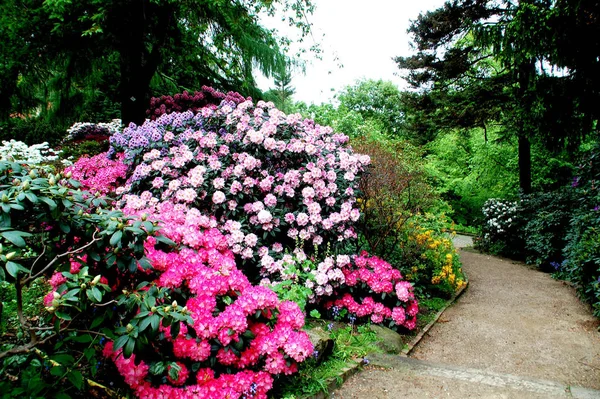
column 174, row 304
column 55, row 303
column 129, row 327
column 96, row 279
column 5, row 198
column 144, row 216
column 25, row 185
column 10, row 255
column 83, row 286
column 69, row 175
column 52, row 181
column 56, row 295
column 168, row 309
column 50, row 309
column 153, row 309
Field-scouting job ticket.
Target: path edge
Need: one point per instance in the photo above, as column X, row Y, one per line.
column 415, row 341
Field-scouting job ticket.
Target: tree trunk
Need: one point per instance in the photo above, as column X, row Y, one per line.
column 138, row 65
column 525, row 165
column 526, row 71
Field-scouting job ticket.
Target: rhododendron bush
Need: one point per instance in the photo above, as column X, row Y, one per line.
column 268, row 179
column 383, row 297
column 245, row 193
column 210, row 333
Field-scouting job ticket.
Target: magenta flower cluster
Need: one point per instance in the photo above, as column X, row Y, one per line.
column 204, row 272
column 385, row 297
column 268, row 179
column 98, row 173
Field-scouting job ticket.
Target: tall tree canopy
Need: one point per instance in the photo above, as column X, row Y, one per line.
column 524, row 64
column 135, row 45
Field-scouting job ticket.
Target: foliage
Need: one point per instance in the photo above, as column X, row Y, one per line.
column 466, row 170
column 376, row 100
column 581, row 254
column 32, row 131
column 472, row 78
column 282, row 94
column 81, row 53
column 545, row 220
column 393, row 190
column 50, row 227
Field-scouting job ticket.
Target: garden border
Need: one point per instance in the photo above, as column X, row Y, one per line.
column 415, row 341
column 352, row 369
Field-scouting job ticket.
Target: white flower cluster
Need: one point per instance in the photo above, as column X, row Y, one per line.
column 499, row 215
column 80, row 129
column 17, row 151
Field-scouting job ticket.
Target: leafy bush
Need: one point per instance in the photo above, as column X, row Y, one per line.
column 392, row 192
column 545, row 220
column 32, row 131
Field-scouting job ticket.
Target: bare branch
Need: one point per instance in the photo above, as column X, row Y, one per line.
column 53, row 261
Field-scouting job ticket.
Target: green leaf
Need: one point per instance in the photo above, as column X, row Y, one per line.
column 154, row 321
column 144, row 323
column 120, row 342
column 82, row 339
column 116, row 238
column 129, row 346
column 16, row 237
column 157, row 368
column 2, row 275
column 63, row 316
column 97, row 321
column 49, row 201
column 62, row 395
column 76, row 378
column 96, row 294
column 12, row 268
column 58, row 371
column 63, row 358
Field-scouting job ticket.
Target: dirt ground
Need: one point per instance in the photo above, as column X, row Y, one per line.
column 513, row 320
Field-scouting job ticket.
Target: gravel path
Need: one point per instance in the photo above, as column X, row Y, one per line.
column 511, row 320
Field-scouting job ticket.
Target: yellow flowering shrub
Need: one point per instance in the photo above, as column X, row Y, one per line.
column 430, row 259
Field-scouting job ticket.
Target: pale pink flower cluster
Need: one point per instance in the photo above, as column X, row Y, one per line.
column 275, row 174
column 380, row 286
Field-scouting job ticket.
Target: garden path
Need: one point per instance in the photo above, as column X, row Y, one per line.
column 514, row 333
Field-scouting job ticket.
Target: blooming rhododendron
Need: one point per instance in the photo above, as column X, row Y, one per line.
column 280, row 176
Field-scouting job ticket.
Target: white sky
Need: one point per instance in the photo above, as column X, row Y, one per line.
column 361, row 36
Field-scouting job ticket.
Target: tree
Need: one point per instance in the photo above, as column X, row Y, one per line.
column 376, row 100
column 491, row 61
column 181, row 44
column 282, row 94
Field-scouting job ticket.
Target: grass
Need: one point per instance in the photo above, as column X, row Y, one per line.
column 351, row 345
